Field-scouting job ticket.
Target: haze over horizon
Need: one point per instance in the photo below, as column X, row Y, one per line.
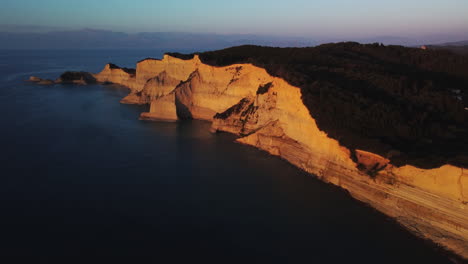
column 326, row 131
column 294, row 18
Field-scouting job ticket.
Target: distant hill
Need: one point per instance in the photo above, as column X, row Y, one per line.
column 28, row 28
column 40, row 37
column 103, row 39
column 457, row 44
column 460, row 47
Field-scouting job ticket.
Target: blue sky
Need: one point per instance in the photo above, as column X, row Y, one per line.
column 287, row 17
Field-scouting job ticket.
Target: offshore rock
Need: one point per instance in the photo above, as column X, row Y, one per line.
column 82, row 78
column 40, row 81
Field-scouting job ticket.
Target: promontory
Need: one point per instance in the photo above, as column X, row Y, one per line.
column 389, row 124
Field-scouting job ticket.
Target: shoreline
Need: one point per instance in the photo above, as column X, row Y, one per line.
column 276, row 121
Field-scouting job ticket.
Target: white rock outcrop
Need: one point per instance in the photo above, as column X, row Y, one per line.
column 268, row 113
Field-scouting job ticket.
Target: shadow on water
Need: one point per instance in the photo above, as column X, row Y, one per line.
column 82, row 176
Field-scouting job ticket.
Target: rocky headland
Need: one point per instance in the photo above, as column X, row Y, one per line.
column 82, row 78
column 386, row 123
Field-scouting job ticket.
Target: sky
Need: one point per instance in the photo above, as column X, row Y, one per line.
column 331, row 18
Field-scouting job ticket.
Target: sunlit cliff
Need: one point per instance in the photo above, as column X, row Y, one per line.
column 269, row 113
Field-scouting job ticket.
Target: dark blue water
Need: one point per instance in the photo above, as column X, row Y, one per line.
column 82, row 177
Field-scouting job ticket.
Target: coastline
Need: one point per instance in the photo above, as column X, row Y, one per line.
column 271, row 121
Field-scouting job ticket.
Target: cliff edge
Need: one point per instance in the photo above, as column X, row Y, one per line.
column 298, row 114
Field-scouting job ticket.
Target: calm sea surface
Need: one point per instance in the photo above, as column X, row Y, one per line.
column 82, row 177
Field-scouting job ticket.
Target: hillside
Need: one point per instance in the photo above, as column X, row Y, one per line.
column 406, row 104
column 459, row 47
column 387, row 124
column 105, row 39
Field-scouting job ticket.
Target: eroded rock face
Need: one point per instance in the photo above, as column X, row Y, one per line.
column 114, row 74
column 158, row 86
column 370, row 163
column 402, row 103
column 200, row 91
column 269, row 113
column 278, row 123
column 163, row 109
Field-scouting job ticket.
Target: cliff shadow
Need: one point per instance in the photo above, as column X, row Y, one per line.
column 183, row 112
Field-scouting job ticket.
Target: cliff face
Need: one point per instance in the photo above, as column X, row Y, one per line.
column 431, row 203
column 267, row 112
column 194, row 89
column 405, row 104
column 113, row 74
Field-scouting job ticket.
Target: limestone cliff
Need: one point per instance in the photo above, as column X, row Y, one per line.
column 267, row 112
column 114, row 74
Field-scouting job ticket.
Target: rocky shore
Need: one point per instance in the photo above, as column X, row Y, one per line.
column 269, row 113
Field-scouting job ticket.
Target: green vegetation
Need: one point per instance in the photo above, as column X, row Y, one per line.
column 384, row 99
column 71, row 76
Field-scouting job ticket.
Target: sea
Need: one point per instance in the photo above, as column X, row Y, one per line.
column 83, row 179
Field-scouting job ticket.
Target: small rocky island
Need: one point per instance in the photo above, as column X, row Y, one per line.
column 386, row 123
column 82, row 78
